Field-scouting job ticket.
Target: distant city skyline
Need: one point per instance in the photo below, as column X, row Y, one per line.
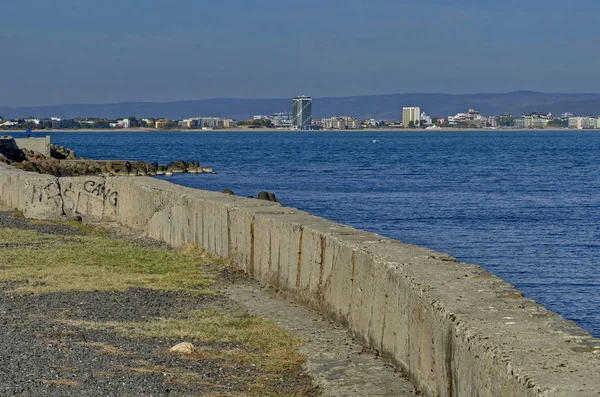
column 67, row 51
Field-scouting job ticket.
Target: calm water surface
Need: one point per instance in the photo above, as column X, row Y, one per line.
column 524, row 205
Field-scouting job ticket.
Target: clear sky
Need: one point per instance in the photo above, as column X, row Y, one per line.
column 101, row 51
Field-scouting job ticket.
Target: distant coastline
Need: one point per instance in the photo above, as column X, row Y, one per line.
column 251, row 130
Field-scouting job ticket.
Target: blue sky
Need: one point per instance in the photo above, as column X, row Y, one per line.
column 101, row 51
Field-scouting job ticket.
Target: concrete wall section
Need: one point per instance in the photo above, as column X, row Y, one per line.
column 40, row 145
column 457, row 330
column 89, row 197
column 38, row 196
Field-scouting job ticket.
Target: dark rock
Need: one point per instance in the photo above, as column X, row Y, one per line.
column 228, row 191
column 37, row 162
column 31, row 167
column 267, row 196
column 177, row 166
column 263, row 196
column 57, row 155
column 10, row 150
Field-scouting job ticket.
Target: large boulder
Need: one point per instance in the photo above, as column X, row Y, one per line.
column 267, row 196
column 177, row 166
column 10, row 150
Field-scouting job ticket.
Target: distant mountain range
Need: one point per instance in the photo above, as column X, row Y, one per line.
column 381, row 107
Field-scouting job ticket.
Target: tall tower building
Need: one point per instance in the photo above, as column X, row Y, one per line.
column 302, row 112
column 411, row 114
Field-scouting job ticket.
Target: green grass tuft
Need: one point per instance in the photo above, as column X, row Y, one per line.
column 50, row 263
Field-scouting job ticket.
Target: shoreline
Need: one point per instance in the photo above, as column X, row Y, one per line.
column 251, row 130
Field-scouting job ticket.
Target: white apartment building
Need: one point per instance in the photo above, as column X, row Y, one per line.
column 282, row 119
column 341, row 123
column 425, row 119
column 32, row 120
column 411, row 116
column 472, row 118
column 536, row 120
column 584, row 123
column 206, row 122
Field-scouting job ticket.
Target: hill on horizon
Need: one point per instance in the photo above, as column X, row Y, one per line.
column 381, row 107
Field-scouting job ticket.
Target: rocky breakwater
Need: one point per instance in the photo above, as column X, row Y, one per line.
column 64, row 162
column 9, row 151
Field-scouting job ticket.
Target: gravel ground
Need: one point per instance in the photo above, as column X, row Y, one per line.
column 14, row 220
column 42, row 354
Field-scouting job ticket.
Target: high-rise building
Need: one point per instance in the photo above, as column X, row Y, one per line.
column 302, row 112
column 411, row 114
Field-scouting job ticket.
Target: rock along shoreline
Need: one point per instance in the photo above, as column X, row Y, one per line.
column 64, row 162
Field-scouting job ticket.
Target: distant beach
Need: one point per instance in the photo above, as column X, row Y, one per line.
column 250, row 130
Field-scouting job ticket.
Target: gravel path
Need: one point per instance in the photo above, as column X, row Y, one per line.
column 43, row 356
column 339, row 365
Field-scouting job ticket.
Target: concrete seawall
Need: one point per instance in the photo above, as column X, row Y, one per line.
column 456, row 329
column 40, row 145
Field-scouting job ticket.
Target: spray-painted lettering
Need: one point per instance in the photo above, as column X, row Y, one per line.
column 99, row 190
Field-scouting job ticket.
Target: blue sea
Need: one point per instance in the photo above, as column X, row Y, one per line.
column 524, row 205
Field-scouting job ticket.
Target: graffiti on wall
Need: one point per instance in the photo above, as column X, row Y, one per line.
column 100, row 191
column 49, row 193
column 89, row 198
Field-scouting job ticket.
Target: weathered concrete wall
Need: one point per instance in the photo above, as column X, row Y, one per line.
column 37, row 195
column 40, row 145
column 457, row 330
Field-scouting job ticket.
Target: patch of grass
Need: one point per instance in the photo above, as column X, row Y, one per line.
column 271, row 350
column 153, row 369
column 62, row 382
column 50, row 263
column 261, row 342
column 86, row 229
column 265, row 354
column 171, row 374
column 105, row 348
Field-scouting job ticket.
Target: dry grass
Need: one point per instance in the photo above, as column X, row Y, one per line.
column 18, row 214
column 62, row 382
column 260, row 341
column 91, row 262
column 44, row 263
column 105, row 348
